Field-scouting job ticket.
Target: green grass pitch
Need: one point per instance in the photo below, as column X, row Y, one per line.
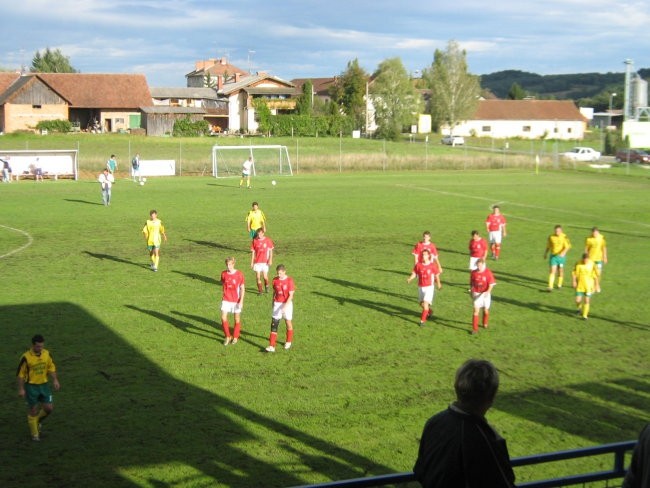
column 150, row 397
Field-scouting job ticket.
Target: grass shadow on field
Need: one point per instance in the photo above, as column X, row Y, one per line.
column 216, row 325
column 382, row 307
column 205, row 279
column 214, row 245
column 603, row 415
column 360, row 286
column 399, row 272
column 102, row 256
column 517, row 279
column 74, row 200
column 177, row 323
column 145, row 423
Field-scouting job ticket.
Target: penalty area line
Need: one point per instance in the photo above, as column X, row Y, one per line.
column 30, row 239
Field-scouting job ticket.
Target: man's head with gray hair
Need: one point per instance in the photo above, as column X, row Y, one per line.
column 476, row 385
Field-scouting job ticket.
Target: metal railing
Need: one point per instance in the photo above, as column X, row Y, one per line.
column 618, row 449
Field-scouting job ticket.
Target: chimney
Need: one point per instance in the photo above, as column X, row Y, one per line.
column 219, row 82
column 237, row 75
column 223, row 61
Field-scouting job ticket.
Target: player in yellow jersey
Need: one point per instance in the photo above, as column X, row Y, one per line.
column 557, row 245
column 255, row 219
column 33, row 370
column 585, row 282
column 154, row 233
column 596, row 247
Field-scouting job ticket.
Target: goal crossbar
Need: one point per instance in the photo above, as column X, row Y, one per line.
column 282, row 166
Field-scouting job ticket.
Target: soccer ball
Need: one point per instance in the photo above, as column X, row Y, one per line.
column 142, row 183
column 274, row 182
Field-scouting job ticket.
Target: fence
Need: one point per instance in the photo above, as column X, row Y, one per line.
column 618, row 450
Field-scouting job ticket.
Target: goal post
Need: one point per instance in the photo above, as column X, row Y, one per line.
column 271, row 160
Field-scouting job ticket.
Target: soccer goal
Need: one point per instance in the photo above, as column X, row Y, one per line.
column 267, row 160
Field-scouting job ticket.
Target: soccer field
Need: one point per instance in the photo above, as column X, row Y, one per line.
column 150, row 397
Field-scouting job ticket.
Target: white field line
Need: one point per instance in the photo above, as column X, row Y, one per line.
column 523, row 205
column 30, row 239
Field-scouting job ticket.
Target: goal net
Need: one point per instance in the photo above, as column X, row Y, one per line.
column 267, row 160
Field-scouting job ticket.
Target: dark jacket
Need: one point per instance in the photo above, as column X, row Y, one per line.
column 459, row 450
column 638, row 476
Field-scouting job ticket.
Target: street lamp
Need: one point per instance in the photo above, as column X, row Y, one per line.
column 611, row 99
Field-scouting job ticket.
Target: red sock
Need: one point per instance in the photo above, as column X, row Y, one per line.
column 237, row 330
column 493, row 248
column 259, row 286
column 486, row 316
column 290, row 335
column 497, row 250
column 266, row 283
column 226, row 328
column 475, row 323
column 424, row 315
column 272, row 338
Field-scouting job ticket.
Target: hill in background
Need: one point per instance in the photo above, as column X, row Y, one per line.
column 562, row 87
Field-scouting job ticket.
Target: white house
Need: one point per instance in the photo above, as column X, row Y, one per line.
column 527, row 119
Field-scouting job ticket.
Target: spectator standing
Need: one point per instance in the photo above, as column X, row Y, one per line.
column 481, row 283
column 458, row 448
column 111, row 164
column 283, row 291
column 106, row 181
column 135, row 167
column 496, row 227
column 233, row 285
column 638, row 475
column 34, row 368
column 6, row 170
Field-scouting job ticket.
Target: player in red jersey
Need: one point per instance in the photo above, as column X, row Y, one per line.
column 478, row 249
column 261, row 259
column 283, row 290
column 426, row 243
column 481, row 283
column 232, row 301
column 495, row 224
column 425, row 271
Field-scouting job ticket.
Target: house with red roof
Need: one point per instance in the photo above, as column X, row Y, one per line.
column 526, row 119
column 109, row 102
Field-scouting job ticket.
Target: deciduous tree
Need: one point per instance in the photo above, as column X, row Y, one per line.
column 394, row 97
column 454, row 91
column 349, row 92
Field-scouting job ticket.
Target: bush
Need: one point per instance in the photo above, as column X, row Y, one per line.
column 59, row 125
column 190, row 128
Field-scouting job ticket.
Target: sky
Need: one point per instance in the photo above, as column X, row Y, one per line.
column 162, row 39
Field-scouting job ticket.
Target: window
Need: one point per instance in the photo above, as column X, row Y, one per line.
column 569, row 130
column 36, row 106
column 486, row 128
column 526, row 128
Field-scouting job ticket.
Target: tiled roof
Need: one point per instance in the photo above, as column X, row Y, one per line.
column 527, row 110
column 83, row 90
column 252, row 81
column 7, row 79
column 321, row 85
column 218, row 69
column 182, row 92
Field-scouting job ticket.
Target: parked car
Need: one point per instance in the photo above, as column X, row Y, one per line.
column 581, row 154
column 632, row 156
column 453, row 140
